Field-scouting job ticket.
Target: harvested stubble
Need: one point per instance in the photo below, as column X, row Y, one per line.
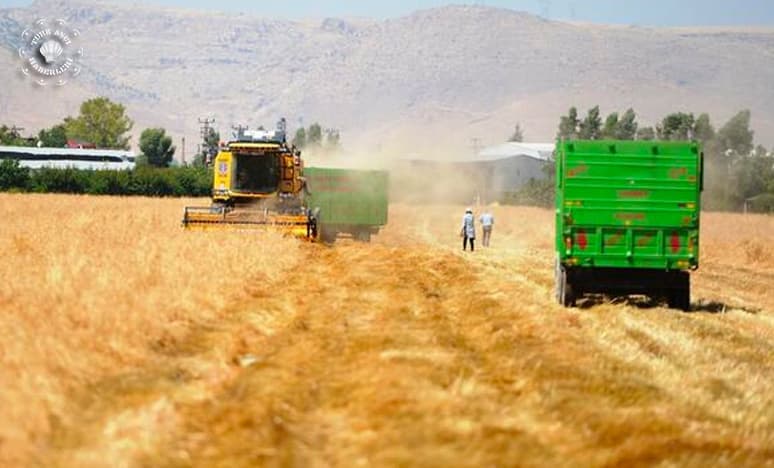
column 129, row 342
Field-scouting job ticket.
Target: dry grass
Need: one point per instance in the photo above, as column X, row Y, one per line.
column 127, row 342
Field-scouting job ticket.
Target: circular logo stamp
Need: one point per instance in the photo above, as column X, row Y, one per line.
column 50, row 53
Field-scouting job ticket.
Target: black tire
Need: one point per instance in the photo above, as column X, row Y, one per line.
column 327, row 235
column 679, row 296
column 363, row 235
column 565, row 293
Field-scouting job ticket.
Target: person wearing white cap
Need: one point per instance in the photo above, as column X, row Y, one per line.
column 468, row 231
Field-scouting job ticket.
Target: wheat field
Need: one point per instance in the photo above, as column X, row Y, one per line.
column 126, row 341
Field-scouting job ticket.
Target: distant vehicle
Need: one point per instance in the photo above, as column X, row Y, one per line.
column 75, row 158
column 257, row 183
column 260, row 182
column 627, row 218
column 348, row 202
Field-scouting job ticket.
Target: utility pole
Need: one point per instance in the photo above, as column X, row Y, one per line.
column 239, row 130
column 480, row 179
column 182, row 146
column 476, row 145
column 206, row 129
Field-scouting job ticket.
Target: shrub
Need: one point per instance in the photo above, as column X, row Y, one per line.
column 13, row 176
column 143, row 181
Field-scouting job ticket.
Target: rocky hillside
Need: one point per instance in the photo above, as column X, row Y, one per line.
column 427, row 82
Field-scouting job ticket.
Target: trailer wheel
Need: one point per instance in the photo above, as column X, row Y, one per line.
column 327, row 235
column 679, row 297
column 363, row 235
column 565, row 293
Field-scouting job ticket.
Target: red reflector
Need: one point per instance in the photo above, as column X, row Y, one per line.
column 674, row 242
column 583, row 241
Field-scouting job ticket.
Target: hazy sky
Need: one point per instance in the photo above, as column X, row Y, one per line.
column 641, row 12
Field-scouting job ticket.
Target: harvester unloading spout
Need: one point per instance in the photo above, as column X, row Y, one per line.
column 257, row 183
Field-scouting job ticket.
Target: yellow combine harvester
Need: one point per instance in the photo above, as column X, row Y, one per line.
column 258, row 183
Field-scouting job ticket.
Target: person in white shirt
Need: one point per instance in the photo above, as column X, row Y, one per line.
column 468, row 231
column 487, row 221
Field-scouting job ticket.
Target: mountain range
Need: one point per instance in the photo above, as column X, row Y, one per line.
column 438, row 81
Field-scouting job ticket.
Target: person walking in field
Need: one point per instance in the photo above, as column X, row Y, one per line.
column 468, row 231
column 487, row 222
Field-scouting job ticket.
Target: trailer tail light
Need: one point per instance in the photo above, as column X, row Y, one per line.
column 674, row 242
column 583, row 240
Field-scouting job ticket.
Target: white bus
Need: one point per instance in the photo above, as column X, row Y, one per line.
column 76, row 158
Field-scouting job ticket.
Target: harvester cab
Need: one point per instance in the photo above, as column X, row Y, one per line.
column 257, row 183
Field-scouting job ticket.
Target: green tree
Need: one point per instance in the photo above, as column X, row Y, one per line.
column 157, row 147
column 299, row 141
column 568, row 125
column 314, row 135
column 627, row 126
column 54, row 137
column 13, row 176
column 646, row 134
column 752, row 176
column 10, row 136
column 736, row 135
column 518, row 134
column 591, row 127
column 610, row 129
column 332, row 139
column 101, row 122
column 703, row 129
column 677, row 126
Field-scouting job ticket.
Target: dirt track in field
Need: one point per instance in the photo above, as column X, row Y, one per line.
column 408, row 351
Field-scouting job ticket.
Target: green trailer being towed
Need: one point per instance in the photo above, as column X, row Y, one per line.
column 627, row 218
column 347, row 201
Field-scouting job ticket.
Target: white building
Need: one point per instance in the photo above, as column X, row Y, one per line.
column 511, row 165
column 76, row 158
column 491, row 174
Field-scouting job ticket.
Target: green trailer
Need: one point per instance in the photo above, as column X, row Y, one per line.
column 627, row 218
column 347, row 201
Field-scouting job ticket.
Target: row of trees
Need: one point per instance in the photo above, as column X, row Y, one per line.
column 736, row 168
column 104, row 124
column 101, row 122
column 315, row 137
column 145, row 181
